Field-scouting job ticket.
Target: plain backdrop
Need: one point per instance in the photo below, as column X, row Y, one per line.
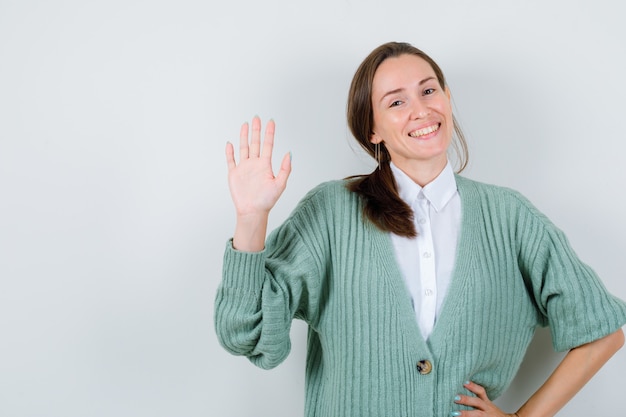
column 114, row 207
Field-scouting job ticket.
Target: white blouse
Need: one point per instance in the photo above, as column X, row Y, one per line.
column 427, row 261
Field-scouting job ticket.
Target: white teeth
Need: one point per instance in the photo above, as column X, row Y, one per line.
column 424, row 131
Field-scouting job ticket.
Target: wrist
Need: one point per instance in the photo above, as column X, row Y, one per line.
column 250, row 232
column 252, row 217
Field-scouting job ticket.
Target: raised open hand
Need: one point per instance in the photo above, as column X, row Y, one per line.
column 253, row 186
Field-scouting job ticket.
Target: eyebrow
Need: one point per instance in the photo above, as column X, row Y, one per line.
column 399, row 90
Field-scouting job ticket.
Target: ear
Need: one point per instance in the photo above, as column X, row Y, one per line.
column 375, row 139
column 447, row 92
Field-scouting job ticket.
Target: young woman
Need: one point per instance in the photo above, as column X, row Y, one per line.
column 422, row 289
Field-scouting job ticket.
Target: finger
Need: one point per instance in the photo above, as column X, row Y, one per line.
column 255, row 143
column 244, row 151
column 230, row 156
column 476, row 389
column 285, row 170
column 470, row 401
column 268, row 141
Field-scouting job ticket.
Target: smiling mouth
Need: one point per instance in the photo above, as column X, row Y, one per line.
column 425, row 131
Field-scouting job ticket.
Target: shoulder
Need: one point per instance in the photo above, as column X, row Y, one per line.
column 323, row 209
column 502, row 204
column 490, row 193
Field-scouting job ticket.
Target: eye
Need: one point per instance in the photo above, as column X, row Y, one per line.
column 395, row 103
column 429, row 91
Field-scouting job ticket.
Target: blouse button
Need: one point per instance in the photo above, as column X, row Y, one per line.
column 424, row 367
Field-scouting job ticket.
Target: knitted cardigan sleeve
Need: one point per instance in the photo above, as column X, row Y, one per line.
column 569, row 295
column 262, row 292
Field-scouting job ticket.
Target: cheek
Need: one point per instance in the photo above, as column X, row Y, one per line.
column 391, row 121
column 446, row 111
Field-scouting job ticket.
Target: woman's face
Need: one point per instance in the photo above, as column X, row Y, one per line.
column 412, row 113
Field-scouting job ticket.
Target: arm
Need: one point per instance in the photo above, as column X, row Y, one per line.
column 574, row 371
column 258, row 296
column 253, row 186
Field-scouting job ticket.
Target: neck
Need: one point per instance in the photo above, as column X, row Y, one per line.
column 423, row 173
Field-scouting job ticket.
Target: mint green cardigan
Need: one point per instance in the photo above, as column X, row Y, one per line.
column 333, row 269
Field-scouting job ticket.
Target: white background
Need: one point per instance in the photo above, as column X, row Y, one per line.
column 114, row 208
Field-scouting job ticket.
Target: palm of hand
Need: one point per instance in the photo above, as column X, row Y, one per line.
column 253, row 186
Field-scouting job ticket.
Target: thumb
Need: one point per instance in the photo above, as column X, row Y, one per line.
column 285, row 170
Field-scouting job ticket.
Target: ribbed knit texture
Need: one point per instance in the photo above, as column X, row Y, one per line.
column 328, row 266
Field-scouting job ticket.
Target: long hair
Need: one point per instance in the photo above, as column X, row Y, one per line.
column 383, row 206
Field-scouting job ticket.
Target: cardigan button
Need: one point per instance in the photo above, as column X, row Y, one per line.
column 424, row 367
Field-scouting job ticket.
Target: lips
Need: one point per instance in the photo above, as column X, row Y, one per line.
column 425, row 131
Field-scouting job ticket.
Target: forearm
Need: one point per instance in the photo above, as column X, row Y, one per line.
column 576, row 369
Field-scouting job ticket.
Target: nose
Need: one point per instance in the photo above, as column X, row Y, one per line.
column 419, row 110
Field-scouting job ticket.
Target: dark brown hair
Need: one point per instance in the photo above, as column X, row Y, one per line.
column 383, row 205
